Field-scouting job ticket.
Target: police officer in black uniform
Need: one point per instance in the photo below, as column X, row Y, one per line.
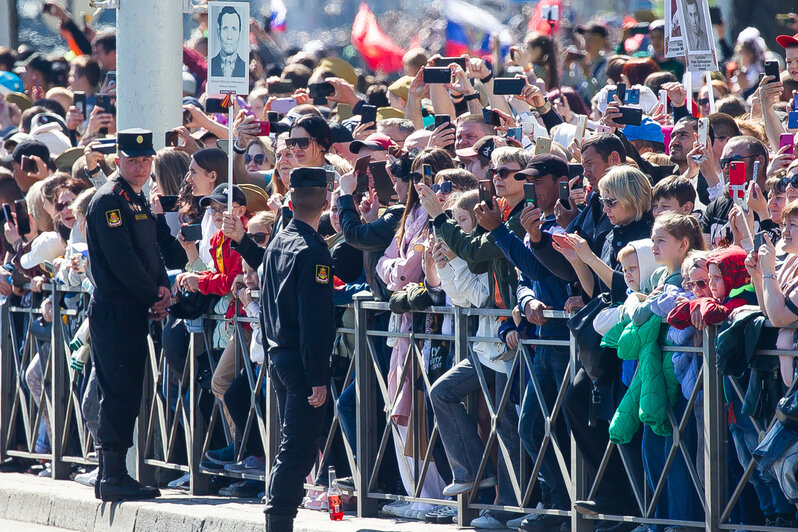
column 130, row 287
column 298, row 321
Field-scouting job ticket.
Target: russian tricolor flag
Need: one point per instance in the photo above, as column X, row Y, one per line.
column 456, row 40
column 278, row 15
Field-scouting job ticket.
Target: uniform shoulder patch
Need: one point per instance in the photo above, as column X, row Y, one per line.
column 113, row 218
column 322, row 274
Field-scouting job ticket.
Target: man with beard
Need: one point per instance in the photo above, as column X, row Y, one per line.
column 683, row 138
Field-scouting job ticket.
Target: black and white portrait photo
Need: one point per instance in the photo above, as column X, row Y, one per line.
column 228, row 47
column 696, row 25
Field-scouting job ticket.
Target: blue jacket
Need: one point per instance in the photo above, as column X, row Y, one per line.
column 536, row 282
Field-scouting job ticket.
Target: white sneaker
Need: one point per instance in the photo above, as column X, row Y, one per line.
column 456, row 488
column 391, row 509
column 181, row 482
column 88, row 478
column 486, row 520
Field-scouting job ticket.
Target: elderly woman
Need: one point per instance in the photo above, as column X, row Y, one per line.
column 626, row 196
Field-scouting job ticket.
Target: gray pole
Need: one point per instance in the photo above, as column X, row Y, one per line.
column 8, row 23
column 148, row 62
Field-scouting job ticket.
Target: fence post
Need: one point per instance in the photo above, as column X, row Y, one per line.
column 579, row 479
column 199, row 482
column 7, row 386
column 145, row 474
column 465, row 514
column 365, row 391
column 715, row 435
column 59, row 395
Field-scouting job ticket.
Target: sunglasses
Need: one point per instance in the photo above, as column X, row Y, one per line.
column 609, row 202
column 259, row 158
column 260, row 238
column 724, row 162
column 501, row 173
column 301, row 143
column 703, row 101
column 700, row 284
column 787, row 181
column 444, row 188
column 415, row 177
column 60, row 206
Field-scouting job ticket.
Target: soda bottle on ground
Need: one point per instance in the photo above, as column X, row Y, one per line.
column 336, row 508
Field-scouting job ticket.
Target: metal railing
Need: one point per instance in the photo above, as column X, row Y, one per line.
column 180, row 420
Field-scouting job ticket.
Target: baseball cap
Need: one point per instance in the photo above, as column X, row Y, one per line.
column 787, row 40
column 375, row 141
column 483, row 148
column 10, row 82
column 647, row 130
column 51, row 135
column 544, row 164
column 219, row 195
column 31, row 147
column 340, row 133
column 45, row 247
column 189, row 83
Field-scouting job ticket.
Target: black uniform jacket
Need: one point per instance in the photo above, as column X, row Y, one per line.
column 126, row 268
column 297, row 309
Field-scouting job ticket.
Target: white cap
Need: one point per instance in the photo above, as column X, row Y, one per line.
column 189, row 84
column 45, row 247
column 53, row 137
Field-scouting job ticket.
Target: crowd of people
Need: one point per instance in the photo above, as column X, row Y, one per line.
column 553, row 197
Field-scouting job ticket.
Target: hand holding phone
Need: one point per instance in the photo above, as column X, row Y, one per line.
column 23, row 221
column 171, row 139
column 787, row 139
column 486, row 191
column 565, row 194
column 368, row 114
column 530, row 196
column 437, row 75
column 192, row 232
column 561, row 240
column 508, row 86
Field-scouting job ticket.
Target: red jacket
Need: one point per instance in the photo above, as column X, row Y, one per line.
column 226, row 266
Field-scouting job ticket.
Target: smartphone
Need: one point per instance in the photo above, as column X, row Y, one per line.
column 795, row 101
column 80, row 102
column 502, row 86
column 759, row 239
column 168, row 203
column 23, row 221
column 792, row 120
column 426, row 171
column 382, row 182
column 361, row 172
column 787, row 139
column 442, row 119
column 581, row 125
column 7, row 215
column 281, row 87
column 437, row 75
column 29, row 165
column 170, row 138
column 529, row 194
column 640, row 29
column 433, row 231
column 737, row 180
column 214, row 105
column 368, row 113
column 321, row 90
column 516, row 133
column 703, row 129
column 633, row 97
column 446, row 61
column 264, row 128
column 283, row 105
column 561, row 240
column 663, row 100
column 187, row 117
column 104, row 101
column 542, row 145
column 491, row 117
column 565, row 193
column 272, row 116
column 772, row 69
column 192, row 232
column 486, row 191
column 620, row 90
column 575, row 170
column 110, row 78
column 631, row 116
column 550, row 13
column 106, row 146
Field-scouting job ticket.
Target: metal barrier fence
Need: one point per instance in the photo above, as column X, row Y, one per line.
column 180, row 418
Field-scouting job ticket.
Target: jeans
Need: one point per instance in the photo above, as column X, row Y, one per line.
column 744, row 434
column 679, row 499
column 548, row 368
column 458, row 430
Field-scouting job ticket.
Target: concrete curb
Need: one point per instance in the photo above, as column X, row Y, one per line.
column 68, row 505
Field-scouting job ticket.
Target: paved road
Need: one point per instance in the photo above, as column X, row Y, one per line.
column 16, row 526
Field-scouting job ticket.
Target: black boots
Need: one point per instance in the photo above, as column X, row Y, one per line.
column 279, row 523
column 113, row 482
column 99, row 472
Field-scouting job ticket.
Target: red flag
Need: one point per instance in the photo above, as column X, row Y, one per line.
column 538, row 23
column 378, row 50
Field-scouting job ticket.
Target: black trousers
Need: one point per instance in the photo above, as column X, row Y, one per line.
column 301, row 428
column 119, row 352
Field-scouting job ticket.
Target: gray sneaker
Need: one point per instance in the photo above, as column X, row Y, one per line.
column 248, row 465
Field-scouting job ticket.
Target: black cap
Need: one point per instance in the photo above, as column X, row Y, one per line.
column 544, row 164
column 594, row 27
column 31, row 147
column 38, row 62
column 219, row 195
column 134, row 142
column 308, row 177
column 340, row 133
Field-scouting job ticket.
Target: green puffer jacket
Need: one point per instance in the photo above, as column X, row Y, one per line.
column 654, row 387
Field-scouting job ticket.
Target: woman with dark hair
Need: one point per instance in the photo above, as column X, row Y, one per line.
column 438, row 160
column 637, row 69
column 615, row 64
column 309, row 140
column 568, row 103
column 543, row 56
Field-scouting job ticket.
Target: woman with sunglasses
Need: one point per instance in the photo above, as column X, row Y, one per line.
column 453, row 180
column 626, row 197
column 309, row 140
column 399, row 266
column 253, row 156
